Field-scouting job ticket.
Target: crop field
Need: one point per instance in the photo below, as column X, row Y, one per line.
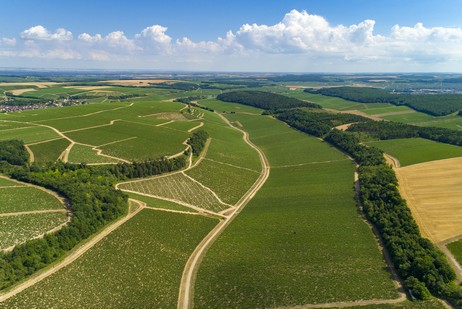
column 17, row 229
column 177, row 187
column 279, row 251
column 182, row 125
column 30, row 134
column 456, row 250
column 26, row 198
column 276, row 137
column 49, row 151
column 417, row 150
column 158, row 203
column 390, row 109
column 432, row 191
column 138, row 265
column 229, row 182
column 80, row 153
column 7, row 183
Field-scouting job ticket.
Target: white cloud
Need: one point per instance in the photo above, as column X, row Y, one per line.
column 300, row 40
column 41, row 33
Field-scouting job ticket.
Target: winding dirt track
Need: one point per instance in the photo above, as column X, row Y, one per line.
column 74, row 255
column 186, row 293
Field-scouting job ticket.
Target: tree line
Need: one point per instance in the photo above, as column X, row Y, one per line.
column 433, row 104
column 316, row 122
column 264, row 100
column 197, row 141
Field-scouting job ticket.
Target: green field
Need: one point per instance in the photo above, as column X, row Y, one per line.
column 300, row 239
column 157, row 203
column 417, row 150
column 30, row 134
column 17, row 229
column 80, row 154
column 456, row 250
column 177, row 187
column 139, row 265
column 230, row 183
column 26, row 199
column 49, row 151
column 7, row 183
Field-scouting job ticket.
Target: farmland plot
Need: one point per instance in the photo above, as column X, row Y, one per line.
column 49, row 151
column 26, row 199
column 417, row 150
column 17, row 229
column 80, row 153
column 158, row 203
column 432, row 191
column 138, row 265
column 30, row 134
column 229, row 182
column 177, row 187
column 300, row 239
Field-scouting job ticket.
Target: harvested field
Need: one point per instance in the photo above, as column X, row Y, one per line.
column 37, row 84
column 433, row 193
column 139, row 82
column 21, row 91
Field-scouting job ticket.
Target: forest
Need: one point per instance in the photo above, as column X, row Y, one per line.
column 264, row 100
column 433, row 104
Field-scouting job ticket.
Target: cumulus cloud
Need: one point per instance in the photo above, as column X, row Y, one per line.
column 299, row 35
column 41, row 33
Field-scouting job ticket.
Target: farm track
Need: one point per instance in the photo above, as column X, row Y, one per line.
column 11, row 214
column 31, row 154
column 186, row 292
column 71, row 257
column 394, row 161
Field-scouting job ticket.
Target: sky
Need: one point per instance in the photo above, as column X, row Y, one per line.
column 233, row 36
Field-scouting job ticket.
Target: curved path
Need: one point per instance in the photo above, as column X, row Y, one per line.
column 186, row 293
column 72, row 256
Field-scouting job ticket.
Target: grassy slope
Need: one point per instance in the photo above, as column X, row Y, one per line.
column 417, row 150
column 138, row 265
column 300, row 240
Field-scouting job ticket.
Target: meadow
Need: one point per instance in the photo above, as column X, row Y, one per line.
column 138, row 265
column 300, row 238
column 417, row 150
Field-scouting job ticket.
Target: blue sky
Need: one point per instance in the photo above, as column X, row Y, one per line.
column 305, row 36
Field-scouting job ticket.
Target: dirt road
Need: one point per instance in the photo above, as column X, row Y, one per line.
column 186, row 293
